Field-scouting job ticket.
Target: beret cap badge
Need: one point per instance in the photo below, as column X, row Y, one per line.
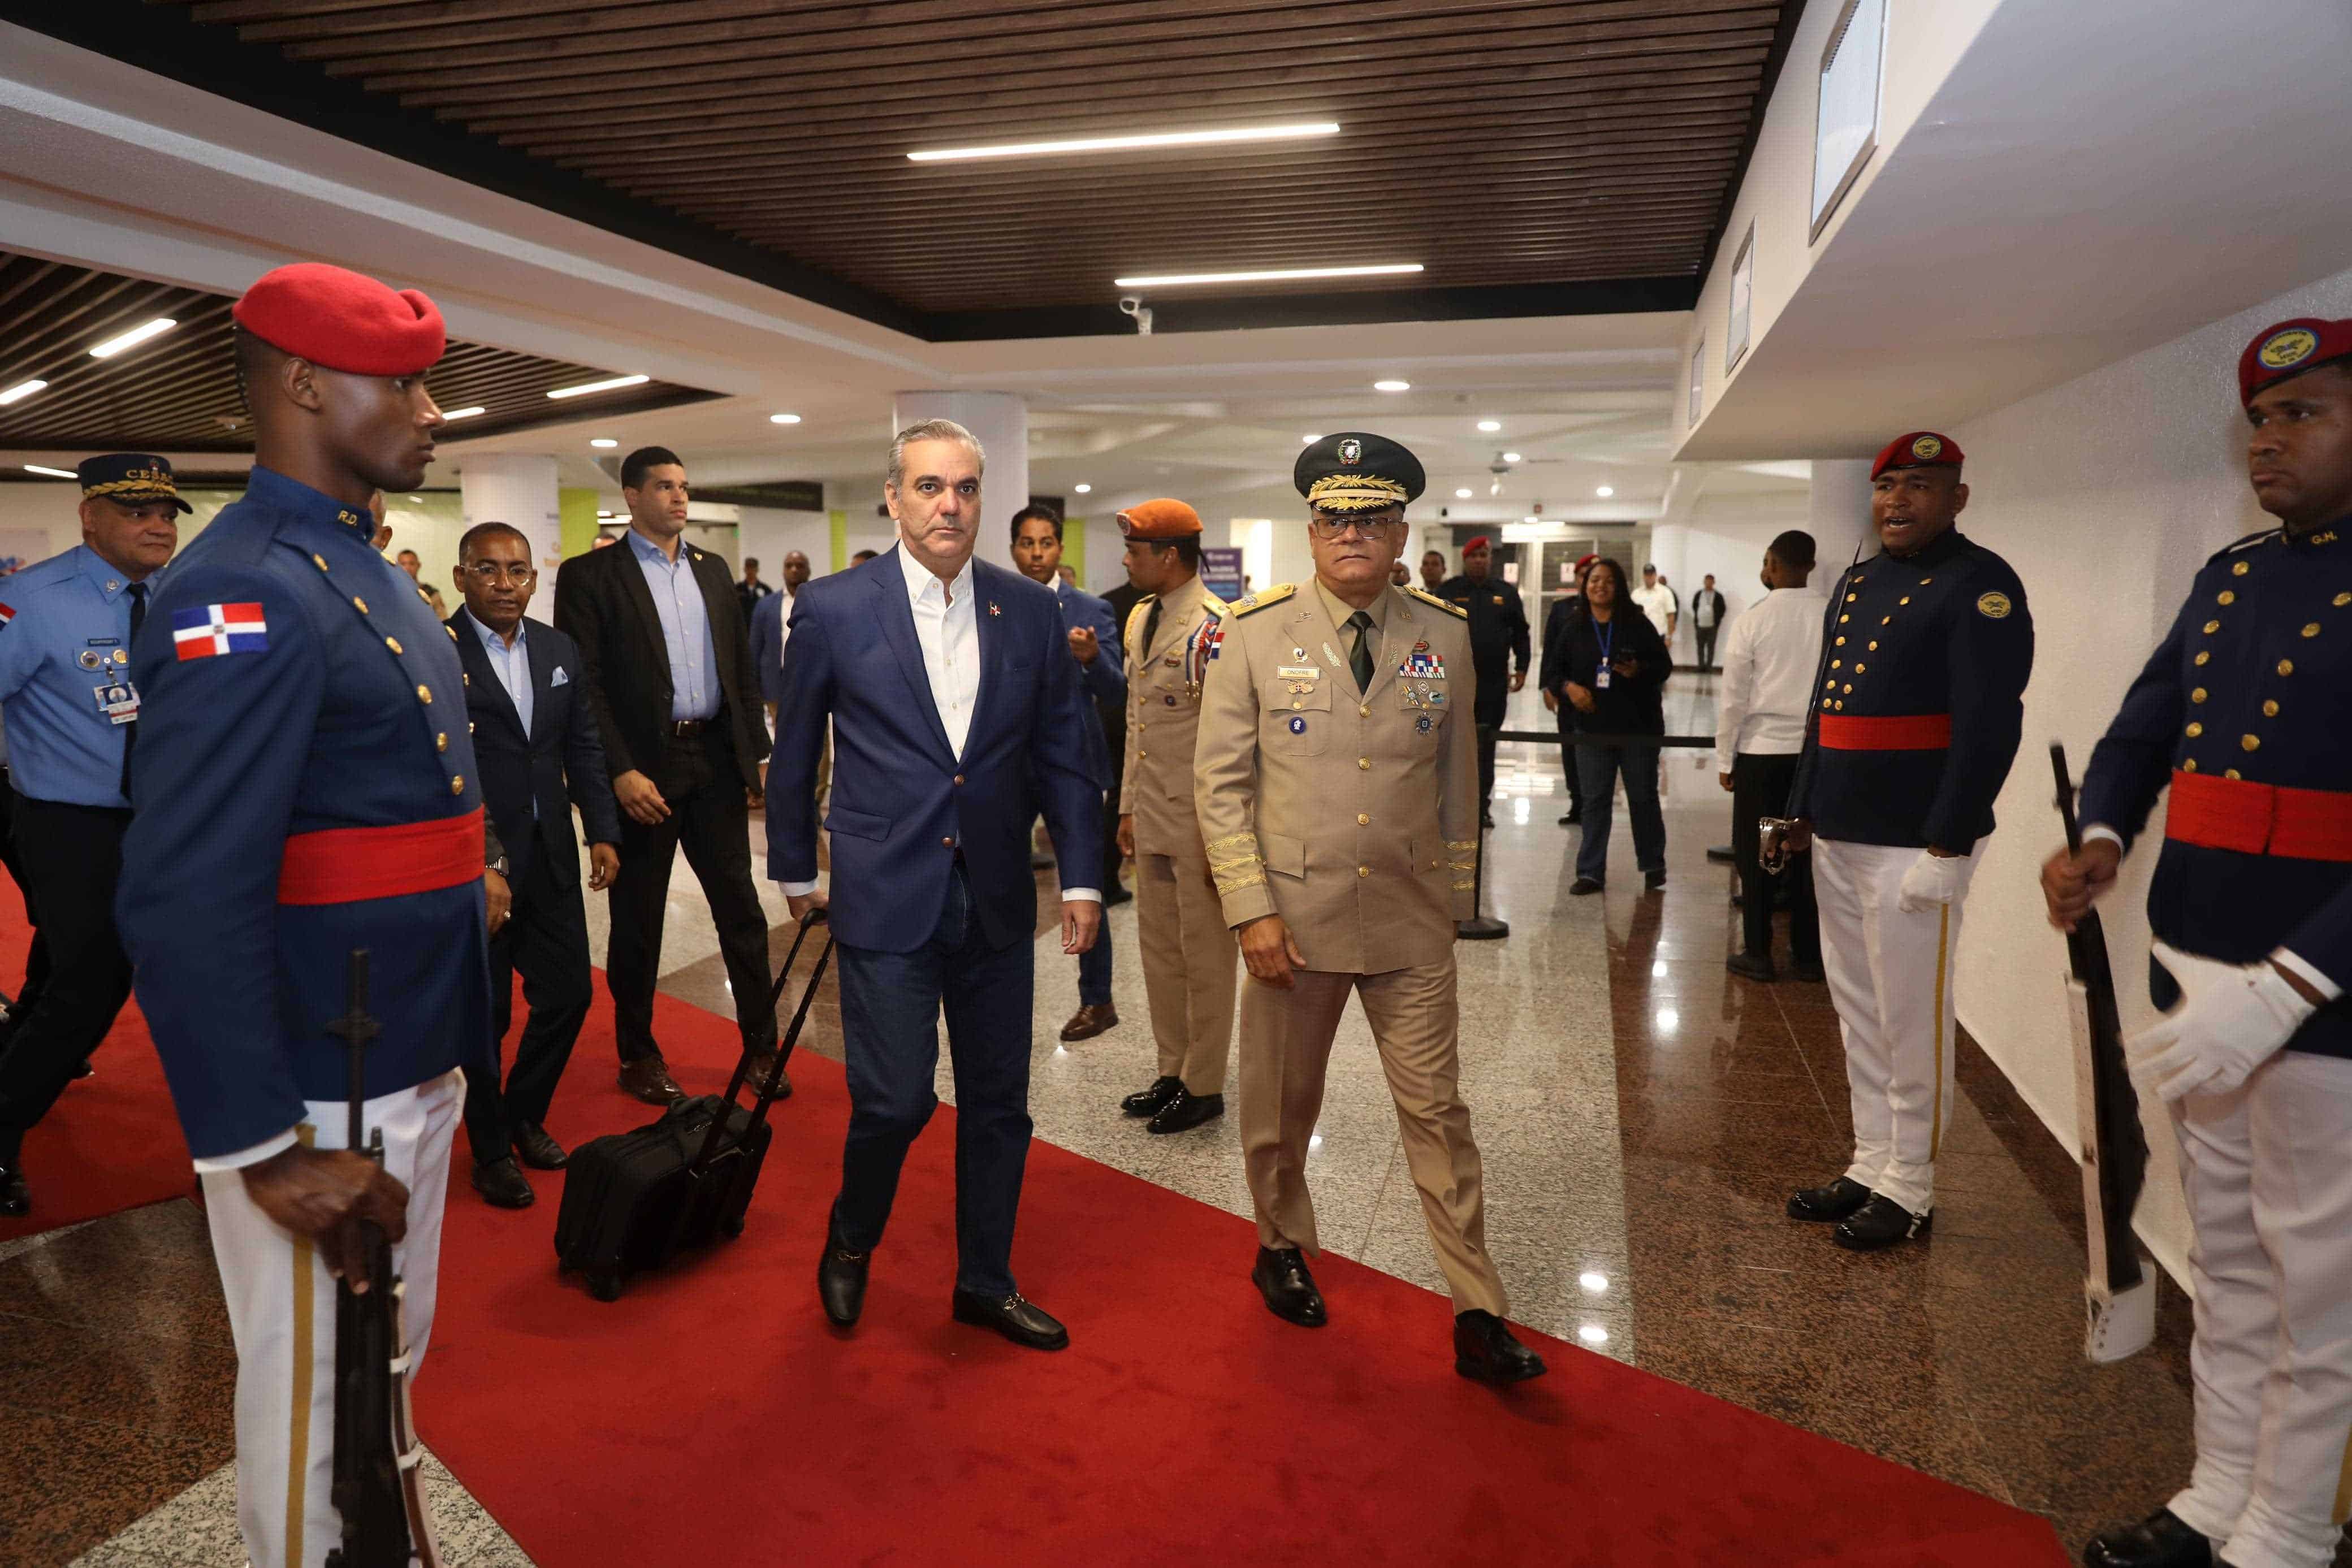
column 2291, row 346
column 1927, row 446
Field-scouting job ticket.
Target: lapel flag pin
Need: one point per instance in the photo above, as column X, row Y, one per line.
column 993, row 610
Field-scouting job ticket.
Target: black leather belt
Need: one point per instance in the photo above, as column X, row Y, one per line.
column 689, row 727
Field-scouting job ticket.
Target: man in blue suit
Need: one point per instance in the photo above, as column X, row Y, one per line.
column 1094, row 643
column 769, row 630
column 957, row 717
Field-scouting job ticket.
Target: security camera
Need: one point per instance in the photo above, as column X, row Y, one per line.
column 1133, row 305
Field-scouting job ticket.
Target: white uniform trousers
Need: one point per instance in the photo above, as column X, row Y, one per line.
column 1890, row 975
column 2267, row 1168
column 282, row 1311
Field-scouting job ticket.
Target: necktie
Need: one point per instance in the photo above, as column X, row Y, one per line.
column 1151, row 629
column 131, row 730
column 1359, row 658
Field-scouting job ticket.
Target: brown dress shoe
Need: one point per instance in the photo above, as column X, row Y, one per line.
column 1090, row 1020
column 649, row 1078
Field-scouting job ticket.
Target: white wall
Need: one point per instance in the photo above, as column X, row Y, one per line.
column 2106, row 494
column 430, row 527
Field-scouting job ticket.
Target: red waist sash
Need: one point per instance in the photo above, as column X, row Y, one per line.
column 345, row 866
column 2218, row 813
column 1900, row 732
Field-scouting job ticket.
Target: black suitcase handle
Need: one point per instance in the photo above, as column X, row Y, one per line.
column 774, row 1080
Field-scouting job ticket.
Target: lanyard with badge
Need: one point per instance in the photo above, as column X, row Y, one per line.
column 117, row 698
column 1605, row 633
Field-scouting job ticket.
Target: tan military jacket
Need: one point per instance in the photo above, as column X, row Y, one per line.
column 1354, row 818
column 1163, row 718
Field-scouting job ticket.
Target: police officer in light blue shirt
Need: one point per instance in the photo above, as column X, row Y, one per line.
column 73, row 725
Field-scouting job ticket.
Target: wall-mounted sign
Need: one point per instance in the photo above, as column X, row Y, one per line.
column 1221, row 570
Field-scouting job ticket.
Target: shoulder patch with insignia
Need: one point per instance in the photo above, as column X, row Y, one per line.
column 1458, row 612
column 1993, row 606
column 1248, row 602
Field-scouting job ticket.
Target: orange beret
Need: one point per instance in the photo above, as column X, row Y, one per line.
column 1162, row 519
column 343, row 320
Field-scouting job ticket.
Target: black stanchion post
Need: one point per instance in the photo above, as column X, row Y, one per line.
column 1481, row 927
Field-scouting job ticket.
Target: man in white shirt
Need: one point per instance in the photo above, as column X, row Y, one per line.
column 1769, row 665
column 1658, row 603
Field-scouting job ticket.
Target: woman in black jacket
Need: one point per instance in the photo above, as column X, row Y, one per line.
column 1612, row 669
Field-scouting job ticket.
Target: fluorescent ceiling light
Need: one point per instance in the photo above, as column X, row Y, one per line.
column 1490, row 426
column 52, row 473
column 602, row 441
column 783, row 419
column 1129, row 143
column 20, row 391
column 1392, row 386
column 1461, row 494
column 1086, row 489
column 463, row 412
column 1605, row 492
column 1285, row 275
column 133, row 338
column 1510, row 458
column 588, row 387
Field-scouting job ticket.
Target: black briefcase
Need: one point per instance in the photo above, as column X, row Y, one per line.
column 633, row 1200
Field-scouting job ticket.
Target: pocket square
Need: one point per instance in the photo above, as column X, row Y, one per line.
column 559, row 678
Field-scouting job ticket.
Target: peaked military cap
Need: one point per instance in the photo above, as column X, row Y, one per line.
column 1353, row 472
column 129, row 478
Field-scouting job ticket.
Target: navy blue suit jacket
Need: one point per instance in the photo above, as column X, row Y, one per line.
column 1104, row 680
column 903, row 805
column 559, row 763
column 767, row 643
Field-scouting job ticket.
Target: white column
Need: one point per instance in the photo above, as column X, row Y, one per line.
column 1000, row 421
column 1840, row 514
column 517, row 488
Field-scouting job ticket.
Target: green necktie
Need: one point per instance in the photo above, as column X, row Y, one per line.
column 1359, row 658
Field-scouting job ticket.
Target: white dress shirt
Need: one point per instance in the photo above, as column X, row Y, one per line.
column 1769, row 656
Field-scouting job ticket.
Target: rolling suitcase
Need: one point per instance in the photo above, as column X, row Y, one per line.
column 633, row 1200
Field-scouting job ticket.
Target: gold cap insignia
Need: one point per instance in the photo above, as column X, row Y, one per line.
column 2291, row 346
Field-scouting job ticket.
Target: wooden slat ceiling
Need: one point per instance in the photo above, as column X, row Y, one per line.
column 1502, row 143
column 178, row 393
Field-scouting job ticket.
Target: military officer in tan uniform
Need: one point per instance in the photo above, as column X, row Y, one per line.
column 1188, row 949
column 1338, row 791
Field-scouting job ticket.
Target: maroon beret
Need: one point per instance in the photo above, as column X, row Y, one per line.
column 343, row 320
column 1917, row 449
column 2289, row 348
column 1481, row 542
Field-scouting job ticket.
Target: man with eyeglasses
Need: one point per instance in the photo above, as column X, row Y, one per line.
column 536, row 751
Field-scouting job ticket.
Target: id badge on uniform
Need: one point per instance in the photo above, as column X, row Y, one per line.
column 119, row 701
column 1600, row 680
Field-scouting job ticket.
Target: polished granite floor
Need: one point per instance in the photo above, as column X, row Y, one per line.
column 1642, row 1114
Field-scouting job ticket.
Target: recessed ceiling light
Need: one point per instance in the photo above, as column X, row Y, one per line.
column 463, row 412
column 1605, row 492
column 52, row 473
column 1086, row 489
column 783, row 419
column 1392, row 386
column 587, row 387
column 603, row 441
column 1510, row 458
column 1461, row 494
column 1128, row 144
column 1531, row 517
column 1278, row 275
column 133, row 338
column 1592, row 1333
column 1490, row 426
column 20, row 391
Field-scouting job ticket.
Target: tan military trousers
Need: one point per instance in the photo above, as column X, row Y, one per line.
column 1190, row 959
column 1286, row 1044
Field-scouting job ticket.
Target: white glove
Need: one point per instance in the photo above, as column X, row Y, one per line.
column 2215, row 1039
column 1932, row 882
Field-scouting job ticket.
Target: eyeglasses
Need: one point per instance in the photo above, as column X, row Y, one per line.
column 489, row 571
column 1333, row 529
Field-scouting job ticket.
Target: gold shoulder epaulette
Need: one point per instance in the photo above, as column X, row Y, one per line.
column 1446, row 604
column 1137, row 615
column 1214, row 605
column 1274, row 595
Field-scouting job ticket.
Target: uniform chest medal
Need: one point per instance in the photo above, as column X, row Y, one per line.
column 1421, row 665
column 1298, row 723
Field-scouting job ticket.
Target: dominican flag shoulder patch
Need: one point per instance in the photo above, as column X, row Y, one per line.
column 208, row 631
column 7, row 613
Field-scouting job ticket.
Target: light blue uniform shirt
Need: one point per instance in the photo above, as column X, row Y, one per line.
column 685, row 628
column 65, row 641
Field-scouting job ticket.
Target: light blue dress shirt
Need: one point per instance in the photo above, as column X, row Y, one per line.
column 512, row 665
column 685, row 628
column 65, row 642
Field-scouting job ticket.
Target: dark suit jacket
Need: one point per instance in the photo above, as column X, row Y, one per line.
column 602, row 602
column 903, row 805
column 559, row 764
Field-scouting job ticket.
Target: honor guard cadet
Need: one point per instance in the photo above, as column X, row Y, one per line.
column 305, row 787
column 1336, row 785
column 1498, row 636
column 2245, row 712
column 73, row 714
column 1188, row 948
column 1912, row 731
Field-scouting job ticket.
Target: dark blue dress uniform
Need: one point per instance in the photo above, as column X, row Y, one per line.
column 302, row 789
column 1922, row 698
column 2245, row 711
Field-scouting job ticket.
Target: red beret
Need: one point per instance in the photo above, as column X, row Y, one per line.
column 1917, row 449
column 343, row 320
column 2288, row 349
column 1481, row 542
column 1161, row 520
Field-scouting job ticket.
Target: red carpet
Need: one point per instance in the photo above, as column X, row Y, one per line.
column 712, row 1416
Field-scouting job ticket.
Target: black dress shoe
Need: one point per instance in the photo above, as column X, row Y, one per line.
column 536, row 1149
column 1811, row 974
column 1486, row 819
column 503, row 1186
column 1828, row 1204
column 1752, row 966
column 841, row 1282
column 763, row 1062
column 1281, row 1277
column 1150, row 1101
column 1485, row 1350
column 15, row 1197
column 2160, row 1541
column 1015, row 1317
column 647, row 1078
column 1879, row 1224
column 1653, row 880
column 1584, row 885
column 1186, row 1111
column 1573, row 819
